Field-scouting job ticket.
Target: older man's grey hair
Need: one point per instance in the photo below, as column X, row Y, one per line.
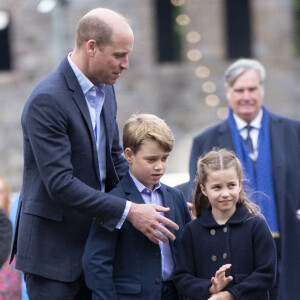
column 239, row 67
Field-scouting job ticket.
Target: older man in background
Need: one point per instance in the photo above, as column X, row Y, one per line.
column 269, row 147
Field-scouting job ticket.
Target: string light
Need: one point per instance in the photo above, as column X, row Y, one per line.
column 193, row 37
column 183, row 19
column 194, row 55
column 212, row 100
column 202, row 72
column 209, row 87
column 222, row 113
column 178, row 2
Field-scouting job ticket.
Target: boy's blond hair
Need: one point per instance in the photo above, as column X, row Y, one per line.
column 143, row 127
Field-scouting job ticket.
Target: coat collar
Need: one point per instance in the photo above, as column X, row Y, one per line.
column 240, row 216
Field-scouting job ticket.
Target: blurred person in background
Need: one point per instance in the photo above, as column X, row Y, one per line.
column 268, row 146
column 10, row 278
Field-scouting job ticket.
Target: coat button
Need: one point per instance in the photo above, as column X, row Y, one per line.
column 224, row 255
column 157, row 281
column 212, row 232
column 213, row 258
column 225, row 229
column 157, row 254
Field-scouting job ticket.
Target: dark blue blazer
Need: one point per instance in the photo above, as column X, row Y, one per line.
column 60, row 192
column 125, row 264
column 285, row 152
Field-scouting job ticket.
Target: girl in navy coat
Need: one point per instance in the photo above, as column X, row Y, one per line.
column 228, row 252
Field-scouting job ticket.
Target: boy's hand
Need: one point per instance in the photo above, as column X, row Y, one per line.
column 220, row 281
column 145, row 218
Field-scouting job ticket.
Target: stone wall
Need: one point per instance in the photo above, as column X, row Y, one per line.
column 170, row 90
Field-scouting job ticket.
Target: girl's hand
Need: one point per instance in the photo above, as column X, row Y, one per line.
column 222, row 296
column 220, row 281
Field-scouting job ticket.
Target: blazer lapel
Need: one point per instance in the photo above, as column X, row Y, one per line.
column 167, row 200
column 224, row 136
column 131, row 190
column 80, row 101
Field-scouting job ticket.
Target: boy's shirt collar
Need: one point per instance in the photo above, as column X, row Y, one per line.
column 141, row 188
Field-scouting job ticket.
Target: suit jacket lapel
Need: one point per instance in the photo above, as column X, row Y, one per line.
column 167, row 200
column 224, row 136
column 80, row 101
column 131, row 190
column 107, row 111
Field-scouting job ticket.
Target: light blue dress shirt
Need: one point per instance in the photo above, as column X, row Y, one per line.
column 155, row 197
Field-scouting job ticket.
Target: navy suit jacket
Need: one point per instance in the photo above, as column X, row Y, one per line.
column 60, row 192
column 125, row 264
column 285, row 152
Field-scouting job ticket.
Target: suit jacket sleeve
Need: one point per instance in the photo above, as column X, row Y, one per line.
column 98, row 262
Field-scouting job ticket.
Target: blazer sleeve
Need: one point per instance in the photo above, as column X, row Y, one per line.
column 262, row 279
column 98, row 260
column 185, row 279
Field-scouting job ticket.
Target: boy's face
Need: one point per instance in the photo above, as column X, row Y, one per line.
column 148, row 164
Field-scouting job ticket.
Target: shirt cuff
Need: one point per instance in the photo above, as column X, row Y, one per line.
column 125, row 213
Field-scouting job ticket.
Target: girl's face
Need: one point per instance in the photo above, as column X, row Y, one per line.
column 222, row 189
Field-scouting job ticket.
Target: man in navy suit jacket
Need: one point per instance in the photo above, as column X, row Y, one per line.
column 124, row 264
column 272, row 167
column 72, row 156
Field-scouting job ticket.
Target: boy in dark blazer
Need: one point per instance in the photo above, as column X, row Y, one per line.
column 123, row 264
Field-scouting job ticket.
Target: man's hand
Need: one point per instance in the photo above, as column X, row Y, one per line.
column 145, row 218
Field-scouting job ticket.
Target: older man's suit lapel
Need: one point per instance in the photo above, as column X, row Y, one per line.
column 80, row 101
column 224, row 136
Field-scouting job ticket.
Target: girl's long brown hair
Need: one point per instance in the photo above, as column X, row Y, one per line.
column 217, row 160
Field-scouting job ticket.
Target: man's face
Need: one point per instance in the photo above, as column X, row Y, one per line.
column 246, row 95
column 108, row 63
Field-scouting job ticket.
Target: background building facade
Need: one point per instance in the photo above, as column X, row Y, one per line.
column 181, row 50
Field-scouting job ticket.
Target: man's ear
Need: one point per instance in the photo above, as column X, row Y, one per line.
column 203, row 190
column 128, row 153
column 91, row 46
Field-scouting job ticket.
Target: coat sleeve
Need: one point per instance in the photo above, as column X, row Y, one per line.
column 262, row 279
column 185, row 277
column 98, row 260
column 5, row 237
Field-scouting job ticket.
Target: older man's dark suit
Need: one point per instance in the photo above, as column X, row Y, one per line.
column 285, row 151
column 60, row 193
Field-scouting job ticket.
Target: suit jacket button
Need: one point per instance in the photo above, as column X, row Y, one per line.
column 224, row 255
column 157, row 281
column 212, row 232
column 157, row 255
column 213, row 258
